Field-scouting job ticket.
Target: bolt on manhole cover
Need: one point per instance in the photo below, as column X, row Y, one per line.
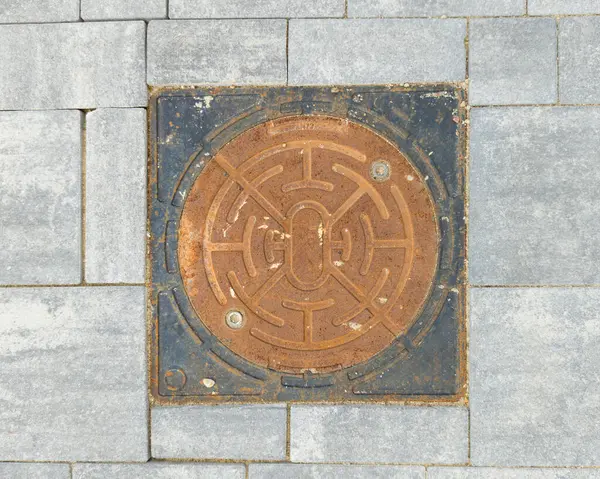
column 307, row 244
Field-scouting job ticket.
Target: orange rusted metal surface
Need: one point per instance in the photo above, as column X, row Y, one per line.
column 308, row 243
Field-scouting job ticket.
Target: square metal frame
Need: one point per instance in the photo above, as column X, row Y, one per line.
column 428, row 364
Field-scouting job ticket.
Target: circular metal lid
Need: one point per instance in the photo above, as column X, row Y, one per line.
column 315, row 231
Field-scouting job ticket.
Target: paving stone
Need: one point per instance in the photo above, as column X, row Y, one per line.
column 217, row 52
column 115, row 196
column 219, row 432
column 572, row 7
column 17, row 470
column 533, row 196
column 506, row 473
column 330, row 471
column 74, row 65
column 158, row 470
column 579, row 51
column 377, row 433
column 512, row 61
column 123, row 9
column 73, row 374
column 426, row 8
column 22, row 11
column 534, row 356
column 376, row 51
column 40, row 205
column 255, row 8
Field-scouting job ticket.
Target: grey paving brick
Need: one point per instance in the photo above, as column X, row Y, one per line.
column 378, row 433
column 123, row 9
column 22, row 11
column 159, row 470
column 533, row 196
column 509, row 473
column 40, row 205
column 74, row 65
column 15, row 470
column 217, row 52
column 573, row 7
column 329, row 471
column 579, row 52
column 534, row 356
column 255, row 8
column 219, row 432
column 426, row 8
column 115, row 196
column 512, row 60
column 73, row 374
column 376, row 51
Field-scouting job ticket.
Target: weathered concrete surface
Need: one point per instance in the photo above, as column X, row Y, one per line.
column 115, row 217
column 40, row 201
column 534, row 356
column 255, row 8
column 376, row 433
column 512, row 61
column 556, row 7
column 159, row 470
column 219, row 432
column 375, row 51
column 217, row 52
column 14, row 470
column 579, row 52
column 74, row 65
column 123, row 9
column 534, row 196
column 34, row 11
column 507, row 473
column 330, row 471
column 73, row 374
column 427, row 8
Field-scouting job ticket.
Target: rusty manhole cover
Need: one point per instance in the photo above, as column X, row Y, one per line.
column 306, row 252
column 324, row 263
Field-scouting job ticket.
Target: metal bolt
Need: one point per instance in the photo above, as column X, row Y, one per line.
column 234, row 319
column 380, row 170
column 175, row 379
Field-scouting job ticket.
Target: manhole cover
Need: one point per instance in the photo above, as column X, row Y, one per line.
column 325, row 264
column 306, row 245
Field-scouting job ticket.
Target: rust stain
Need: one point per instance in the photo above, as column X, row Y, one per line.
column 327, row 265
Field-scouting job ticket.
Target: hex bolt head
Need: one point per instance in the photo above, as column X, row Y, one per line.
column 381, row 170
column 234, row 319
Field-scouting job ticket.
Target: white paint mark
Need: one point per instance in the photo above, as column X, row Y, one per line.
column 321, row 232
column 354, row 326
column 382, row 300
column 232, row 292
column 410, row 177
column 338, row 263
column 275, row 265
column 209, row 383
